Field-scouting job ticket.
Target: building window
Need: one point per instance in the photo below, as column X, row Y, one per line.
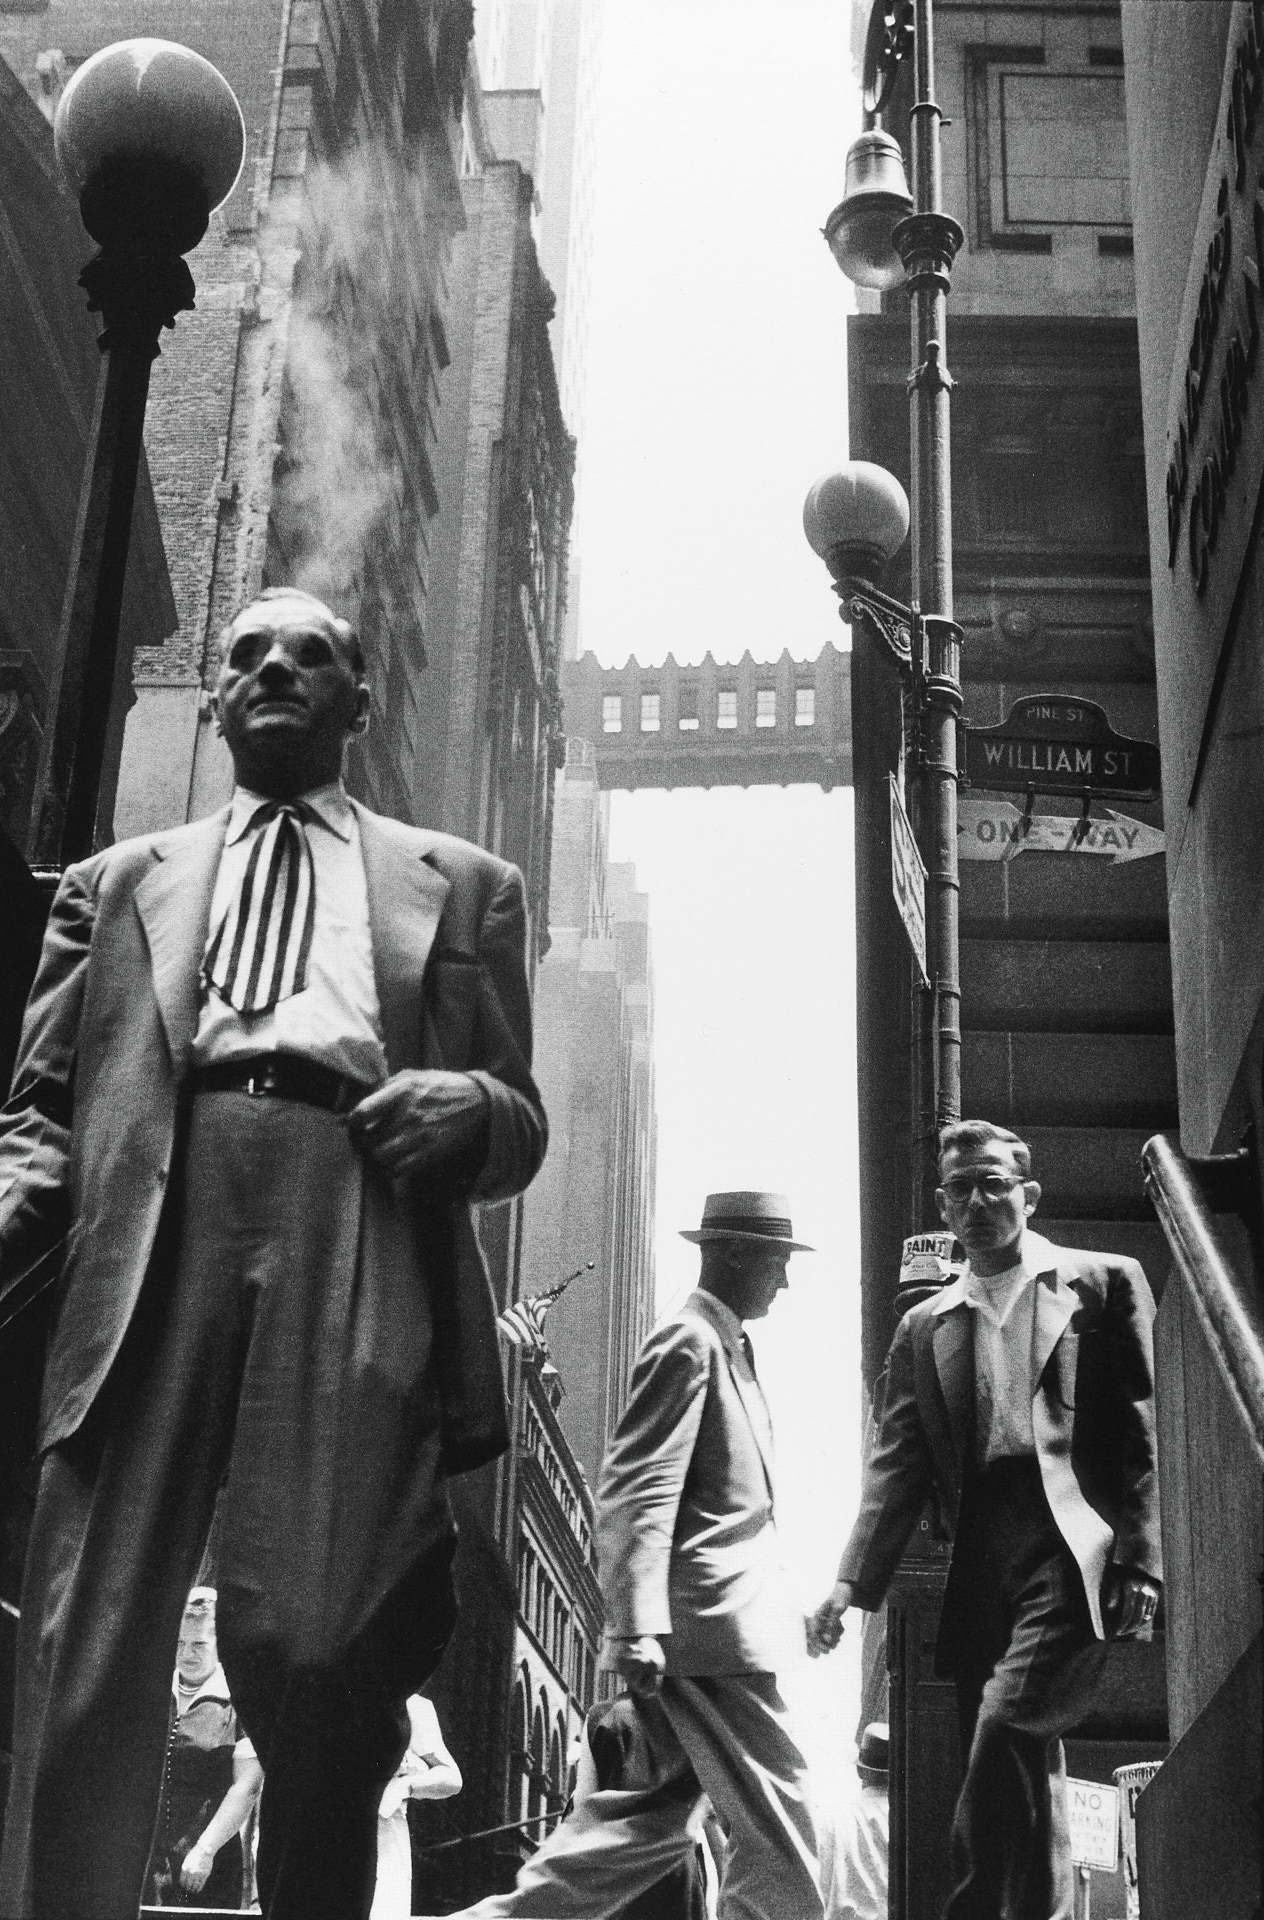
column 805, row 706
column 650, row 705
column 1047, row 149
column 611, row 713
column 766, row 707
column 687, row 719
column 726, row 708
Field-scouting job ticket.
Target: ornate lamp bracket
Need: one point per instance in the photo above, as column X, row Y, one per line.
column 889, row 621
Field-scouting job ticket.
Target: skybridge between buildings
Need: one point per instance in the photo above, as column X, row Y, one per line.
column 751, row 723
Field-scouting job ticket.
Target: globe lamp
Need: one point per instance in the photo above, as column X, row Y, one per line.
column 857, row 520
column 151, row 138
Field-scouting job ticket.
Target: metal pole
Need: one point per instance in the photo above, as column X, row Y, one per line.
column 138, row 291
column 928, row 241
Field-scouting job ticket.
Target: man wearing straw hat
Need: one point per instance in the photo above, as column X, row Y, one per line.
column 698, row 1615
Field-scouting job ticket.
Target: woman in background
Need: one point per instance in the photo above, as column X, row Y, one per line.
column 426, row 1772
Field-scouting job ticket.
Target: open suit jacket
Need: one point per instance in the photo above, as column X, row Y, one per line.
column 1092, row 1415
column 90, row 1139
column 686, row 1541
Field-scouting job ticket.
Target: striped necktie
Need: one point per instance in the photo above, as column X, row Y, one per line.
column 258, row 954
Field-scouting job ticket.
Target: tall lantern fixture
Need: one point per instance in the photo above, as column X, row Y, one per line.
column 882, row 237
column 151, row 139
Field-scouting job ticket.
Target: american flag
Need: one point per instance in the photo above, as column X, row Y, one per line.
column 523, row 1323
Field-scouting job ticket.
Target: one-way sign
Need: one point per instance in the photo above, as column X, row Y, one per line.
column 1051, row 743
column 990, row 829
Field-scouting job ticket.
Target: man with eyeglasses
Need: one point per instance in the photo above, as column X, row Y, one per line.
column 1023, row 1396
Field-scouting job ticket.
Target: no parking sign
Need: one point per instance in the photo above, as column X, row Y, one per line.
column 1094, row 1813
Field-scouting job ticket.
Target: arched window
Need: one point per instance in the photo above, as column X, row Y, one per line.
column 538, row 1784
column 519, row 1754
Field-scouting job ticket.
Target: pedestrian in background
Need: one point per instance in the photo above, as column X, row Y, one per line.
column 1023, row 1394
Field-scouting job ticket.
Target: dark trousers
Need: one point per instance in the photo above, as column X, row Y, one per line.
column 231, row 1384
column 1026, row 1665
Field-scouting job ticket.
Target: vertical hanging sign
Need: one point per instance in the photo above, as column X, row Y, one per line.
column 908, row 879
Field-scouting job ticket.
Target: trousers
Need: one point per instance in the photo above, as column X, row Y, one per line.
column 726, row 1738
column 1025, row 1673
column 226, row 1402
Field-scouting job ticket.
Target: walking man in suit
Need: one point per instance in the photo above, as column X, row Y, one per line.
column 698, row 1614
column 1023, row 1395
column 269, row 1060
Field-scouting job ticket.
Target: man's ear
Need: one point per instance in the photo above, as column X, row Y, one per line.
column 213, row 703
column 360, row 719
column 1031, row 1188
column 941, row 1201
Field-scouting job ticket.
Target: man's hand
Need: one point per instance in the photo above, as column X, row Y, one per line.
column 417, row 1119
column 641, row 1663
column 824, row 1628
column 196, row 1869
column 1129, row 1604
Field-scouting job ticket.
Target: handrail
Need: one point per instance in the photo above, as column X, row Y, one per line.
column 1227, row 1305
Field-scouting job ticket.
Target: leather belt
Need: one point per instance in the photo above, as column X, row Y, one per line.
column 283, row 1076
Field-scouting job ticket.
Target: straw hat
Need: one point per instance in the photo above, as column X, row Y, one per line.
column 747, row 1216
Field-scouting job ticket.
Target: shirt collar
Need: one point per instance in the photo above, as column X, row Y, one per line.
column 214, row 1687
column 329, row 804
column 1040, row 1261
column 722, row 1318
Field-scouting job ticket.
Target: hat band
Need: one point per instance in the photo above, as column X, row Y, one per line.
column 748, row 1223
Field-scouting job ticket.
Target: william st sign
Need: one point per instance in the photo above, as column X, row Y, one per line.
column 1053, row 744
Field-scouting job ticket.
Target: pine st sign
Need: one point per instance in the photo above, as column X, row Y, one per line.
column 1050, row 743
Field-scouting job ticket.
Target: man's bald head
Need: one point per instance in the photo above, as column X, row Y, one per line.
column 308, row 605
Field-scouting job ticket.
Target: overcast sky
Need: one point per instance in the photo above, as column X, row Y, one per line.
column 717, row 393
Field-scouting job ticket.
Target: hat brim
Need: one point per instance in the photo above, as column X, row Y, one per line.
column 700, row 1236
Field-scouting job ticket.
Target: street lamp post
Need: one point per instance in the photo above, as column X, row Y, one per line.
column 150, row 137
column 880, row 234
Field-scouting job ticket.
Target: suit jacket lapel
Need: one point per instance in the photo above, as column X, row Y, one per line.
column 406, row 899
column 953, row 1347
column 751, row 1395
column 1056, row 1301
column 174, row 904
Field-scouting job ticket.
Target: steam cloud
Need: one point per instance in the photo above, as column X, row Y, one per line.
column 339, row 479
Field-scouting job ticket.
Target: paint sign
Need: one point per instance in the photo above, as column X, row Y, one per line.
column 992, row 829
column 1094, row 1815
column 908, row 878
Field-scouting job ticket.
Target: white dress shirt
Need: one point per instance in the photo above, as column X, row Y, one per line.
column 336, row 1020
column 1004, row 1309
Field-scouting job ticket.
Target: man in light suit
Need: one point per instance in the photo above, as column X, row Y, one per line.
column 1023, row 1395
column 269, row 1060
column 698, row 1614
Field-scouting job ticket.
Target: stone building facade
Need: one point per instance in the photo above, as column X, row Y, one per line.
column 292, row 424
column 1194, row 88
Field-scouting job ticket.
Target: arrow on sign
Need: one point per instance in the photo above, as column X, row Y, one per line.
column 993, row 830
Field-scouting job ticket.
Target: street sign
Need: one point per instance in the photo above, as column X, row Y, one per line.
column 908, row 878
column 1094, row 1814
column 1051, row 743
column 989, row 829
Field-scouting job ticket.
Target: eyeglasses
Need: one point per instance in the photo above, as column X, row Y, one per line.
column 993, row 1186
